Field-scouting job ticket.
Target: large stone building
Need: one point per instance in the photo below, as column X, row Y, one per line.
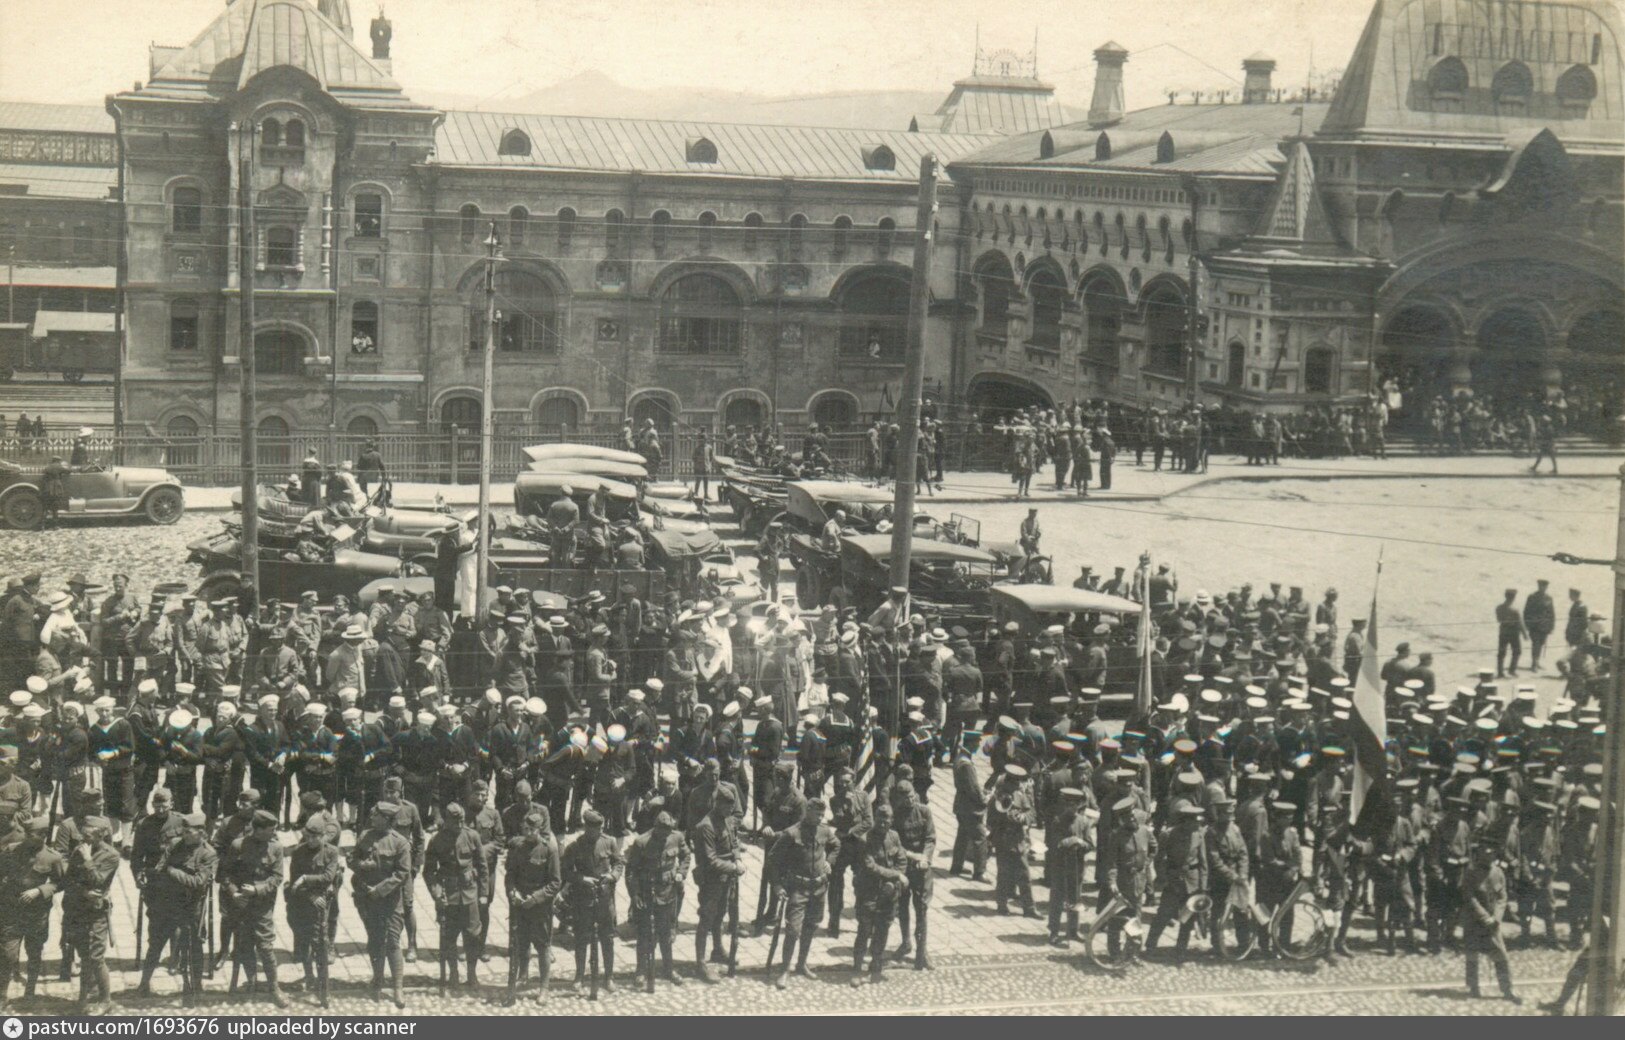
column 1450, row 216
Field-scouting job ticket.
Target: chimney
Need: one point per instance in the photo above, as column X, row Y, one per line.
column 1106, row 108
column 381, row 32
column 1258, row 69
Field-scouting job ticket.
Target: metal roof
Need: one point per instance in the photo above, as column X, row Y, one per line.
column 61, row 277
column 1234, row 139
column 662, row 146
column 78, row 119
column 996, row 105
column 47, row 322
column 61, row 182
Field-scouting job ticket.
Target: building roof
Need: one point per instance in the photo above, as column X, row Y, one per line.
column 252, row 36
column 60, row 182
column 61, row 277
column 985, row 104
column 78, row 119
column 1215, row 140
column 1384, row 90
column 664, row 146
column 47, row 322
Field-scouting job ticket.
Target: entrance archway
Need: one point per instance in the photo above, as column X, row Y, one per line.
column 656, row 406
column 743, row 410
column 1511, row 351
column 992, row 397
column 1165, row 332
column 1417, row 344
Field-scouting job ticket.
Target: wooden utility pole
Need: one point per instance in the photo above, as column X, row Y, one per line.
column 247, row 406
column 483, row 525
column 908, row 401
column 1607, row 948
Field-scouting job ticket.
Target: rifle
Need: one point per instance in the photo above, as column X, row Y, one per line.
column 592, row 939
column 56, row 802
column 140, row 902
column 778, row 929
column 733, row 927
column 208, row 909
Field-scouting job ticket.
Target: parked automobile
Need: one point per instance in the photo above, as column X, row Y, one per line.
column 329, row 565
column 93, row 491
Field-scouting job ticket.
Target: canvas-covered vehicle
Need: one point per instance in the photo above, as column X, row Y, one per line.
column 534, row 492
column 945, row 578
column 383, row 528
column 566, row 450
column 328, row 564
column 594, row 467
column 1034, row 608
column 148, row 492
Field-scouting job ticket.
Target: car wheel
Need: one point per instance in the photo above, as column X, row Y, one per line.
column 165, row 506
column 24, row 509
column 72, row 375
column 220, row 586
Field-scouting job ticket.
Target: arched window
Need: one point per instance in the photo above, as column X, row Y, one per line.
column 701, row 150
column 1236, row 364
column 514, row 142
column 1048, row 293
column 1318, row 370
column 1145, row 237
column 275, row 446
column 364, row 338
column 293, row 135
column 183, row 324
column 1100, row 232
column 567, row 228
column 835, row 411
column 996, row 284
column 708, row 227
column 468, row 222
column 1576, row 89
column 700, row 314
column 658, row 407
column 369, row 214
column 797, row 237
column 1122, row 236
column 612, row 231
column 744, row 410
column 1512, row 86
column 281, row 248
column 271, row 134
column 879, row 158
column 278, row 352
column 1103, row 320
column 527, row 314
column 518, row 223
column 362, row 426
column 1103, row 148
column 753, row 231
column 874, row 315
column 561, row 412
column 186, row 210
column 1447, row 84
column 1165, row 147
column 1165, row 332
column 460, row 413
column 659, row 223
column 181, row 426
column 1046, row 146
column 842, row 236
column 1165, row 229
column 887, row 237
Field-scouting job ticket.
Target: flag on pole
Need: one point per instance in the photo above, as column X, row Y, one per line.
column 864, row 775
column 1142, row 698
column 1370, row 801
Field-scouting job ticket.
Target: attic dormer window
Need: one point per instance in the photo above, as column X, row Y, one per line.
column 282, row 143
column 1512, row 86
column 1447, row 84
column 1103, row 148
column 1046, row 146
column 1576, row 89
column 1165, row 147
column 879, row 158
column 514, row 142
column 701, row 150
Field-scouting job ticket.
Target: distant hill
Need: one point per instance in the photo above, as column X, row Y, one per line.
column 595, row 94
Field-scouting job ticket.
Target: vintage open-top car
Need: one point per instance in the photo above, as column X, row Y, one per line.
column 945, row 578
column 338, row 566
column 92, row 491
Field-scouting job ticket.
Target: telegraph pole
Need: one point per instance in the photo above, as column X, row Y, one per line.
column 1607, row 948
column 245, row 357
column 908, row 401
column 483, row 526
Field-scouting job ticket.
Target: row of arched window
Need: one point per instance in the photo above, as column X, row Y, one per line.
column 473, row 225
column 1055, row 231
column 1511, row 88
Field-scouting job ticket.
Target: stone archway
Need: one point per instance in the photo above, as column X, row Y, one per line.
column 1418, row 357
column 992, row 395
column 1511, row 355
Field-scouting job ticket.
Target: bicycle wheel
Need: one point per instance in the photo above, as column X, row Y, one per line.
column 1300, row 929
column 1110, row 937
column 1237, row 934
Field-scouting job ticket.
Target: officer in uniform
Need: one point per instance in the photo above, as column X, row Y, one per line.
column 799, row 863
column 970, row 814
column 251, row 872
column 408, row 823
column 533, row 881
column 1484, row 904
column 1184, row 870
column 591, row 867
column 850, row 814
column 454, row 868
column 380, row 869
column 1127, row 862
column 919, row 836
column 1009, row 815
column 91, row 867
column 717, row 869
column 656, row 865
column 1066, row 849
column 766, row 745
column 881, row 878
column 314, row 874
column 177, row 892
column 486, row 823
column 31, row 874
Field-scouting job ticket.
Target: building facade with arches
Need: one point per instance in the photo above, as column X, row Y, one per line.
column 1451, row 214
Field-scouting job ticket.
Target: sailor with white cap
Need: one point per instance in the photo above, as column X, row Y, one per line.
column 184, row 755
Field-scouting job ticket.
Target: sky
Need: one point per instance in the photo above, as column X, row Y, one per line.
column 78, row 51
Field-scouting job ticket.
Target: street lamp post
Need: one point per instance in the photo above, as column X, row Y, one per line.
column 483, row 524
